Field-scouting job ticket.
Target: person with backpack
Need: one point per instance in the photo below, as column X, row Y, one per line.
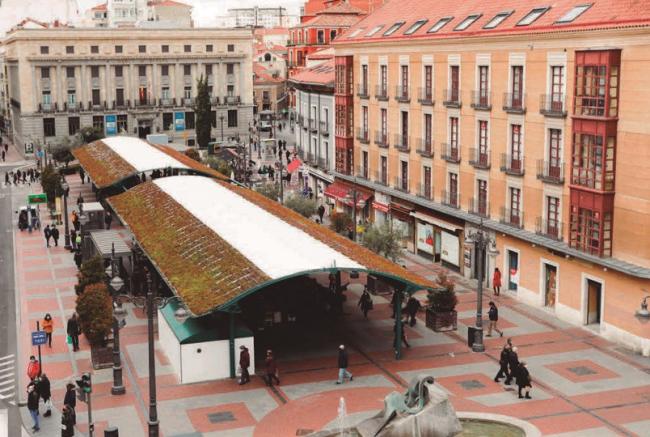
column 365, row 302
column 493, row 315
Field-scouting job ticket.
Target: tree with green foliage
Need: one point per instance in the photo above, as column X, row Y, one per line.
column 202, row 112
column 340, row 222
column 91, row 272
column 89, row 134
column 95, row 310
column 270, row 190
column 219, row 165
column 383, row 240
column 302, row 205
column 194, row 154
column 51, row 182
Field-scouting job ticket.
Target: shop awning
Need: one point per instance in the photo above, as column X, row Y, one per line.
column 344, row 194
column 380, row 206
column 434, row 221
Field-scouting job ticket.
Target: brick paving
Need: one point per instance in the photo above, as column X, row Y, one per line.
column 583, row 385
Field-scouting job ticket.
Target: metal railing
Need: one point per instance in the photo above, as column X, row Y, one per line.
column 552, row 172
column 452, row 98
column 362, row 90
column 512, row 217
column 402, row 94
column 363, row 135
column 450, row 199
column 450, row 152
column 72, row 107
column 480, row 207
column 381, row 178
column 553, row 105
column 425, row 96
column 514, row 103
column 425, row 191
column 424, row 147
column 401, row 184
column 117, row 104
column 214, row 100
column 188, row 101
column 381, row 93
column 48, row 107
column 512, row 165
column 481, row 99
column 479, row 158
column 322, row 163
column 144, row 103
column 549, row 228
column 232, row 100
column 381, row 139
column 401, row 143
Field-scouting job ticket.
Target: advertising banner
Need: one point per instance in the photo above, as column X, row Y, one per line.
column 425, row 237
column 179, row 121
column 110, row 125
column 450, row 246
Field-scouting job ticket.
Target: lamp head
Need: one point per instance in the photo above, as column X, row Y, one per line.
column 181, row 315
column 119, row 312
column 117, row 283
column 109, row 271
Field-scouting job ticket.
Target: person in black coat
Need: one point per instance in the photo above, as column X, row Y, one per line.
column 70, row 396
column 503, row 363
column 513, row 365
column 43, row 388
column 47, row 234
column 32, row 405
column 244, row 364
column 412, row 307
column 343, row 365
column 73, row 330
column 523, row 380
column 493, row 315
column 365, row 302
column 67, row 421
column 55, row 235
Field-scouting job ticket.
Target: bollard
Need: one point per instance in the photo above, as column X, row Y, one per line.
column 111, row 431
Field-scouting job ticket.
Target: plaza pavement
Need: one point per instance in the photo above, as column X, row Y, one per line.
column 582, row 385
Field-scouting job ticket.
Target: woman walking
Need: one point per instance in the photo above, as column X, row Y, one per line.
column 496, row 281
column 365, row 302
column 67, row 422
column 48, row 326
column 271, row 369
column 523, row 380
column 493, row 315
column 73, row 331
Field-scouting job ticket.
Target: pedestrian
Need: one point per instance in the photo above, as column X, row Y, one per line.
column 43, row 389
column 67, row 422
column 80, row 199
column 244, row 364
column 77, row 254
column 503, row 363
column 496, row 281
column 513, row 365
column 271, row 369
column 288, row 155
column 47, row 325
column 7, row 147
column 108, row 218
column 82, row 175
column 70, row 398
column 55, row 235
column 73, row 238
column 3, row 156
column 412, row 307
column 393, row 303
column 321, row 212
column 493, row 315
column 404, row 337
column 48, row 234
column 32, row 405
column 73, row 330
column 365, row 302
column 343, row 365
column 523, row 380
column 7, row 181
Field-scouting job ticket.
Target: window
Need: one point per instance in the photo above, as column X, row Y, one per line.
column 232, row 118
column 164, row 48
column 454, row 81
column 187, row 92
column 168, row 120
column 481, row 188
column 95, row 97
column 49, row 129
column 532, row 16
column 364, row 121
column 142, row 49
column 552, row 215
column 94, row 49
column 426, row 170
column 118, row 71
column 383, row 79
column 364, row 79
column 209, row 48
column 208, row 70
column 392, row 29
column 515, row 205
column 355, row 32
column 73, row 125
column 231, row 47
column 405, row 80
column 453, row 189
column 320, row 37
column 415, row 27
column 467, row 22
column 69, row 50
column 45, row 50
column 187, row 48
column 230, row 90
column 230, row 68
column 98, row 122
column 428, row 83
column 591, row 87
column 517, row 86
column 588, row 160
column 440, row 24
column 122, row 123
column 164, row 93
column 374, row 30
column 47, row 98
column 482, row 141
column 427, row 132
column 384, row 170
column 119, row 96
column 554, row 152
column 404, row 175
column 483, row 85
column 332, row 35
column 364, row 164
column 189, row 120
column 573, row 13
column 497, row 19
column 453, row 134
column 405, row 128
column 142, row 95
column 557, row 87
column 45, row 72
column 187, row 70
column 384, row 125
column 94, row 71
column 69, row 72
column 142, row 70
column 515, row 147
column 164, row 70
column 118, row 49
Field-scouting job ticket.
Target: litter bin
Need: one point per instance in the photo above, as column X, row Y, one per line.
column 111, row 432
column 471, row 330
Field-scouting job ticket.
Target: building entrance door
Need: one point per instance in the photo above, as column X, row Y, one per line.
column 144, row 128
column 550, row 285
column 594, row 296
column 513, row 270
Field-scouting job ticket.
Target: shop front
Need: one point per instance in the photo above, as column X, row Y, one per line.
column 401, row 220
column 438, row 240
column 380, row 209
column 342, row 196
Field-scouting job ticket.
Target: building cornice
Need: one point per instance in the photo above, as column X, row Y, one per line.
column 162, row 58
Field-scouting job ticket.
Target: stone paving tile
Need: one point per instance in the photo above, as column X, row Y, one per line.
column 641, row 428
column 301, row 390
column 567, row 423
column 591, row 432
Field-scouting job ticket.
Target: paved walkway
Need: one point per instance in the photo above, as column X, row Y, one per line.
column 583, row 385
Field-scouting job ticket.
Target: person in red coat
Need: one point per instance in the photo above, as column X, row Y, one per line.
column 244, row 364
column 496, row 281
column 33, row 368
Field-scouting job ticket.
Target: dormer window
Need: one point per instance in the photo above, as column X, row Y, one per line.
column 532, row 16
column 497, row 19
column 374, row 30
column 440, row 24
column 573, row 14
column 467, row 22
column 415, row 27
column 392, row 29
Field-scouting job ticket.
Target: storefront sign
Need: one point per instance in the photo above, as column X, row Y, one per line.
column 380, row 207
column 449, row 246
column 179, row 121
column 425, row 237
column 110, row 125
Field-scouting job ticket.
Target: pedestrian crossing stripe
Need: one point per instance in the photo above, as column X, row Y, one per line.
column 7, row 377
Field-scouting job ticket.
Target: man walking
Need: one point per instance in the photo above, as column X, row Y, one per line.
column 82, row 174
column 108, row 218
column 48, row 234
column 55, row 235
column 271, row 369
column 73, row 330
column 32, row 405
column 244, row 364
column 513, row 365
column 503, row 363
column 343, row 365
column 523, row 380
column 412, row 307
column 493, row 315
column 321, row 212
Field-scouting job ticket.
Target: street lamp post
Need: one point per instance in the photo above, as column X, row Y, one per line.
column 481, row 242
column 116, row 283
column 221, row 118
column 66, row 230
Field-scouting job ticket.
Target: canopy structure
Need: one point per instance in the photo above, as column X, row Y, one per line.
column 104, row 242
column 214, row 242
column 111, row 160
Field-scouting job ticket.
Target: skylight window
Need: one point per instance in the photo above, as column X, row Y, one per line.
column 467, row 22
column 573, row 13
column 415, row 26
column 532, row 16
column 392, row 29
column 356, row 32
column 375, row 30
column 440, row 24
column 498, row 19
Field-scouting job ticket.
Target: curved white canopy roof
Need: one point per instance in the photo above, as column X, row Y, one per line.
column 140, row 154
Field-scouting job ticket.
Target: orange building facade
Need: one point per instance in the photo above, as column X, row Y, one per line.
column 527, row 120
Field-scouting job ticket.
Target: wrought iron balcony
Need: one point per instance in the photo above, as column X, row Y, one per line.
column 363, row 135
column 480, row 207
column 72, row 106
column 512, row 164
column 167, row 102
column 425, row 191
column 47, row 107
column 144, row 103
column 362, row 91
column 381, row 178
column 553, row 105
column 402, row 94
column 401, row 184
column 425, row 96
column 481, row 100
column 479, row 158
column 401, row 143
column 362, row 172
column 549, row 228
column 450, row 153
column 232, row 100
column 214, row 100
column 425, row 147
column 121, row 104
column 514, row 103
column 322, row 163
column 381, row 139
column 452, row 98
column 324, row 128
column 188, row 101
column 313, row 125
column 551, row 172
column 96, row 106
column 512, row 217
column 451, row 199
column 381, row 93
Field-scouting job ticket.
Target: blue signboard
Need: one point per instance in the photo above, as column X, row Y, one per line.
column 110, row 125
column 179, row 121
column 39, row 338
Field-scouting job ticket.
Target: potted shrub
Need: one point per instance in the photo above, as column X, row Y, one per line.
column 441, row 312
column 95, row 310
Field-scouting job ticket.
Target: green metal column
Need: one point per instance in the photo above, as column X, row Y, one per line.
column 231, row 343
column 398, row 321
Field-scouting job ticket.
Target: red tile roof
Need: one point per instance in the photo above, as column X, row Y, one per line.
column 271, row 31
column 340, row 15
column 262, row 75
column 100, row 7
column 167, row 3
column 602, row 14
column 322, row 74
column 341, row 8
